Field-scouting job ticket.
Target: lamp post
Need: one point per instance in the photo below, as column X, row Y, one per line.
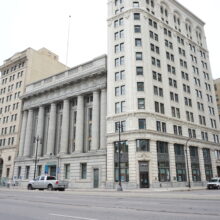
column 187, row 163
column 119, row 158
column 36, row 139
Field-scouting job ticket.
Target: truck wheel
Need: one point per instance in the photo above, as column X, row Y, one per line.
column 50, row 187
column 30, row 187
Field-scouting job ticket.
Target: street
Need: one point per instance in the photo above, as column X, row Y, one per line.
column 110, row 205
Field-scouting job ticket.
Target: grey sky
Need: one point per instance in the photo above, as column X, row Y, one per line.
column 44, row 23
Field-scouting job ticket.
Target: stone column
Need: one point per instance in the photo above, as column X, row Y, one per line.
column 23, row 131
column 28, row 135
column 95, row 121
column 214, row 166
column 132, row 164
column 103, row 113
column 153, row 164
column 51, row 130
column 172, row 162
column 202, row 165
column 189, row 163
column 79, row 125
column 110, row 166
column 40, row 130
column 65, row 127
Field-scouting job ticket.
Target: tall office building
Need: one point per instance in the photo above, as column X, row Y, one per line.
column 160, row 96
column 18, row 71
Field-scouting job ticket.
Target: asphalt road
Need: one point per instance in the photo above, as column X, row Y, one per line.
column 98, row 205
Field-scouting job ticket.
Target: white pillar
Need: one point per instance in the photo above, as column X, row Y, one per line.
column 202, row 165
column 153, row 163
column 214, row 166
column 23, row 131
column 189, row 163
column 65, row 127
column 95, row 121
column 172, row 163
column 110, row 163
column 40, row 130
column 28, row 135
column 103, row 113
column 51, row 130
column 79, row 124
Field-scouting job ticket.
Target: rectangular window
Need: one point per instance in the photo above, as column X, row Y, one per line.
column 140, row 86
column 19, row 173
column 27, row 172
column 83, row 170
column 142, row 123
column 139, row 56
column 139, row 70
column 137, row 28
column 138, row 42
column 124, row 165
column 143, row 145
column 67, row 171
column 137, row 16
column 141, row 103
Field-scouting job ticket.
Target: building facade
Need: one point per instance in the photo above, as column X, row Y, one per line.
column 16, row 72
column 160, row 96
column 217, row 94
column 63, row 130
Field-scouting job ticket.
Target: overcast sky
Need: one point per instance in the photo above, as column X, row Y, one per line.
column 44, row 23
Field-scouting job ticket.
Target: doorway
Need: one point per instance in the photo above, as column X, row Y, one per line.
column 144, row 174
column 218, row 171
column 52, row 170
column 1, row 167
column 96, row 178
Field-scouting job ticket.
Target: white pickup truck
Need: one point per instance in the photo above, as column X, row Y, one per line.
column 47, row 182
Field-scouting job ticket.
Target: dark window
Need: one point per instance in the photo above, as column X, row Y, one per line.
column 143, row 145
column 142, row 123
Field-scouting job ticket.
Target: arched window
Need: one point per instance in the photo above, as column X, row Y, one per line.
column 199, row 35
column 177, row 21
column 164, row 11
column 150, row 6
column 188, row 26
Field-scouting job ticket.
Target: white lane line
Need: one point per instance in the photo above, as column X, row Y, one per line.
column 74, row 217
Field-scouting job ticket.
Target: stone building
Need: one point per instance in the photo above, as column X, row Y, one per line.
column 159, row 109
column 161, row 95
column 16, row 72
column 64, row 126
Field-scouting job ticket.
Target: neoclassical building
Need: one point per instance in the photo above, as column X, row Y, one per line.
column 64, row 126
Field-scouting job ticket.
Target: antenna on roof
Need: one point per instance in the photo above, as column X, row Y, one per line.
column 67, row 48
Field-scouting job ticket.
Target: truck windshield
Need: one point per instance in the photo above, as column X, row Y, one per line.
column 213, row 180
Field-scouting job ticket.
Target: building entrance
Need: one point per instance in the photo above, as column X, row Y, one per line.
column 1, row 167
column 96, row 178
column 144, row 174
column 218, row 171
column 52, row 170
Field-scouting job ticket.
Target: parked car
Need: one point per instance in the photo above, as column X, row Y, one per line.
column 214, row 183
column 47, row 182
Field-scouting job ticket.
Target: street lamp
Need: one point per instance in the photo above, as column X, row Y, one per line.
column 187, row 163
column 119, row 158
column 36, row 139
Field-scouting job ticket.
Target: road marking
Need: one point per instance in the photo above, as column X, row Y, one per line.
column 69, row 216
